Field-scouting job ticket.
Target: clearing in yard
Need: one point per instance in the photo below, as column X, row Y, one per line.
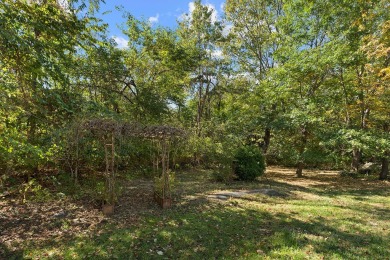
column 322, row 215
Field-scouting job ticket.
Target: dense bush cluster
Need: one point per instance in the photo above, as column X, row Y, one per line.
column 249, row 163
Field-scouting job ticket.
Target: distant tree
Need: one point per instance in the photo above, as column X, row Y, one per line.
column 200, row 32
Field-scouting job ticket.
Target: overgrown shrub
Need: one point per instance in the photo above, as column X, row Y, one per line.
column 249, row 163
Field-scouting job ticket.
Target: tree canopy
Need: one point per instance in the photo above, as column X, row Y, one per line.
column 305, row 81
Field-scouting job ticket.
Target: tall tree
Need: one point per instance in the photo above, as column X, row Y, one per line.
column 253, row 41
column 200, row 32
column 376, row 47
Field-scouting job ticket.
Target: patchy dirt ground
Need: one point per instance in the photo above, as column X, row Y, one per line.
column 63, row 218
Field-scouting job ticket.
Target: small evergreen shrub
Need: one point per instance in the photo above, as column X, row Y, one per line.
column 249, row 163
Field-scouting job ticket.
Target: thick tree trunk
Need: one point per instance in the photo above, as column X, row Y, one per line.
column 299, row 169
column 356, row 159
column 266, row 139
column 385, row 168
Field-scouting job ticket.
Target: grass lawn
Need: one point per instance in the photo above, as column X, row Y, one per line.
column 321, row 216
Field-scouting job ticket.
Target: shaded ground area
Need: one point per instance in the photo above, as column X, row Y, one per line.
column 243, row 194
column 279, row 216
column 64, row 218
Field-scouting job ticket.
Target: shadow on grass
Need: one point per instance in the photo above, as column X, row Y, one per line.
column 326, row 180
column 6, row 253
column 339, row 186
column 358, row 193
column 226, row 232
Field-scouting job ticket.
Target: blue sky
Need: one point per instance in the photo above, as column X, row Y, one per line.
column 158, row 12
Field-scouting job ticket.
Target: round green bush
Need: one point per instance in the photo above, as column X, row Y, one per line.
column 249, row 163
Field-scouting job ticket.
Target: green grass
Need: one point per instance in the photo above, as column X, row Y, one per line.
column 349, row 220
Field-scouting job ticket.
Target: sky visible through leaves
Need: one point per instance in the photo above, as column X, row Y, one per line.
column 157, row 12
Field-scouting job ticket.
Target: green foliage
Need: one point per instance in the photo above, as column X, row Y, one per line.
column 20, row 154
column 33, row 191
column 160, row 185
column 313, row 77
column 249, row 163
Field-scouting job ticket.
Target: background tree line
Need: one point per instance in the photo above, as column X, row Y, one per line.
column 305, row 81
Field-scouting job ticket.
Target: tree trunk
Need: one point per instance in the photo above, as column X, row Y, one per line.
column 76, row 170
column 304, row 136
column 385, row 159
column 199, row 111
column 299, row 169
column 385, row 168
column 356, row 159
column 266, row 139
column 364, row 112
